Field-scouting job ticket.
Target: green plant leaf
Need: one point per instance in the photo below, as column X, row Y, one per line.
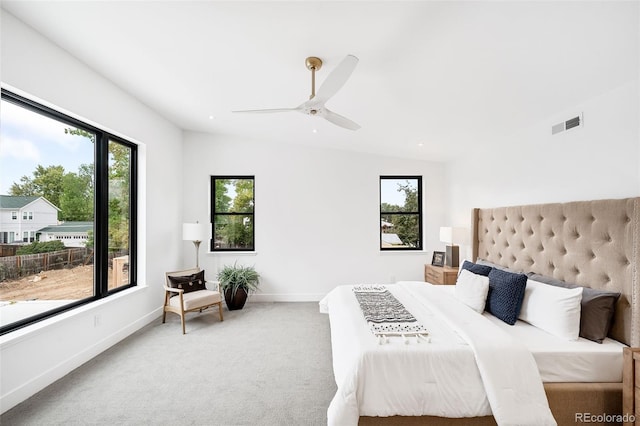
column 235, row 277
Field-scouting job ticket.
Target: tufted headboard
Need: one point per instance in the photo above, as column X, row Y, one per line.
column 590, row 243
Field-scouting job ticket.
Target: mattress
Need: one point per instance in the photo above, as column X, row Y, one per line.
column 560, row 360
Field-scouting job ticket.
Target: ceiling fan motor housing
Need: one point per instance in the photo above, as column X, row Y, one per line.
column 313, row 63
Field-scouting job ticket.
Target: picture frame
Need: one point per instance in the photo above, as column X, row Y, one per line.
column 438, row 258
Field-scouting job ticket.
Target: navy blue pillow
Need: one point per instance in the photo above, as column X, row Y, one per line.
column 476, row 269
column 506, row 292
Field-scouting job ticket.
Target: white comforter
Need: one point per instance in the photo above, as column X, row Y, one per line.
column 470, row 368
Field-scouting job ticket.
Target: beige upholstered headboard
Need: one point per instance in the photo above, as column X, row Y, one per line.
column 590, row 243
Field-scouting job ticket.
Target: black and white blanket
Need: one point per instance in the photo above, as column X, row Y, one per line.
column 384, row 313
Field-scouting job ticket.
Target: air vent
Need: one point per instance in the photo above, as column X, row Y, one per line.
column 566, row 125
column 574, row 122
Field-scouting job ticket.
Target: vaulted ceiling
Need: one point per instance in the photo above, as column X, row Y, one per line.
column 434, row 79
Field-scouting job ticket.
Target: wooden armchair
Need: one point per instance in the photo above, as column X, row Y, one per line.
column 179, row 301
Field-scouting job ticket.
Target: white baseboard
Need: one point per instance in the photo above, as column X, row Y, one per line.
column 296, row 297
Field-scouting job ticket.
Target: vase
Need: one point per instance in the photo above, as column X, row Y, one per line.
column 235, row 301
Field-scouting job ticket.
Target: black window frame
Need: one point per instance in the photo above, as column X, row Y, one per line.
column 215, row 213
column 418, row 213
column 101, row 210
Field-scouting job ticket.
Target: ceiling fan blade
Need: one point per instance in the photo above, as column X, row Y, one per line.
column 339, row 120
column 336, row 79
column 269, row 110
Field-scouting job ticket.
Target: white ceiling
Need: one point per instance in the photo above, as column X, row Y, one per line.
column 449, row 75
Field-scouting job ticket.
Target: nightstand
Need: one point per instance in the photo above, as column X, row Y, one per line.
column 440, row 274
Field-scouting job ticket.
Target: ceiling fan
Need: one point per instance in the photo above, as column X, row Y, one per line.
column 315, row 105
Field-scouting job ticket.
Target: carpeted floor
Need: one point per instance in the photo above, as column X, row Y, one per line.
column 267, row 364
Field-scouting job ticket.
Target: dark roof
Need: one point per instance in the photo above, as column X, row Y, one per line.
column 69, row 227
column 15, row 202
column 18, row 202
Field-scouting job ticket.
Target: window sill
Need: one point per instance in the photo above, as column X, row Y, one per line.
column 233, row 253
column 402, row 252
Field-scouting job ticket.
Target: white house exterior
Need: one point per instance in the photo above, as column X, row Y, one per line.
column 22, row 217
column 72, row 234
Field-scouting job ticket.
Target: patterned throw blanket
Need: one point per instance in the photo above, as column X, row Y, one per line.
column 385, row 315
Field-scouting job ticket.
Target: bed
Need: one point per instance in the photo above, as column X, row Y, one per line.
column 592, row 244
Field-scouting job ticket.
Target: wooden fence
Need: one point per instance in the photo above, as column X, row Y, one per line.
column 8, row 249
column 15, row 267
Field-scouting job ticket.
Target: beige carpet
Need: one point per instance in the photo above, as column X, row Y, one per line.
column 268, row 364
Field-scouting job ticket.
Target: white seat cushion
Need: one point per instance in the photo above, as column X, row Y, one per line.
column 196, row 299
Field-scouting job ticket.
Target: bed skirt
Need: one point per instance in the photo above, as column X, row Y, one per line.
column 566, row 400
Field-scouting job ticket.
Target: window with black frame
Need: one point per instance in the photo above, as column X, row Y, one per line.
column 400, row 212
column 232, row 213
column 75, row 241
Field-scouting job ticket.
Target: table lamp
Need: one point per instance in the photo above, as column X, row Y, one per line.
column 451, row 236
column 193, row 232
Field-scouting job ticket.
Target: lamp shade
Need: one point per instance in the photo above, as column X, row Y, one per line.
column 451, row 235
column 446, row 234
column 193, row 231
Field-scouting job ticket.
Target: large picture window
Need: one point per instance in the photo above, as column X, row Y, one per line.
column 76, row 187
column 400, row 212
column 232, row 213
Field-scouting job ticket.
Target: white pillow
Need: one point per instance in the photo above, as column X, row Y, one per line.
column 553, row 309
column 472, row 289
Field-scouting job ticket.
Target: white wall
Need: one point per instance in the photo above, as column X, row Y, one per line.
column 34, row 357
column 600, row 160
column 317, row 214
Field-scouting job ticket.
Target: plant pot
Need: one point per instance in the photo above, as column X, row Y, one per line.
column 235, row 301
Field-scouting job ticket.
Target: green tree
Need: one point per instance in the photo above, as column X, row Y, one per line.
column 80, row 132
column 407, row 225
column 243, row 203
column 76, row 200
column 223, row 201
column 90, row 240
column 46, row 182
column 119, row 196
column 118, row 226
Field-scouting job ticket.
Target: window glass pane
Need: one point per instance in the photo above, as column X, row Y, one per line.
column 119, row 214
column 400, row 230
column 399, row 195
column 233, row 232
column 232, row 213
column 400, row 212
column 234, row 195
column 46, row 166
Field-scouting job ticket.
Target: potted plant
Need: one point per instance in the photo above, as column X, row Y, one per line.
column 236, row 282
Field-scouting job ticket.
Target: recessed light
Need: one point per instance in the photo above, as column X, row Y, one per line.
column 420, row 144
column 211, row 117
column 314, row 130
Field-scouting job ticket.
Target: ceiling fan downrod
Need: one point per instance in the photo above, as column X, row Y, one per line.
column 313, row 64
